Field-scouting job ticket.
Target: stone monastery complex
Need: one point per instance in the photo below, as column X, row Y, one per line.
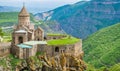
column 27, row 41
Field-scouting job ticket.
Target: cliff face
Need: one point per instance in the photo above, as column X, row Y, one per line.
column 64, row 62
column 85, row 17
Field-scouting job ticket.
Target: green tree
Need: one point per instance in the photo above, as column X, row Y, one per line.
column 1, row 32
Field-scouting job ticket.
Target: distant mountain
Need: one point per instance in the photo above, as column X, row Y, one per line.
column 17, row 9
column 103, row 47
column 9, row 19
column 85, row 17
column 8, row 9
column 51, row 27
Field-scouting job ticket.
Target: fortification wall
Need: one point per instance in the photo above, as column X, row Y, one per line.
column 4, row 49
column 53, row 50
column 50, row 37
column 59, row 49
column 78, row 48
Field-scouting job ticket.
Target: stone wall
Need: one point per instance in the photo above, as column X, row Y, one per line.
column 33, row 51
column 50, row 50
column 4, row 49
column 18, row 51
column 13, row 49
column 24, row 53
column 54, row 50
column 50, row 37
column 39, row 34
column 57, row 50
column 15, row 38
column 78, row 47
column 42, row 48
column 24, row 20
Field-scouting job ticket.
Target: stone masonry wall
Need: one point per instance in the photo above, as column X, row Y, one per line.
column 78, row 47
column 50, row 37
column 4, row 49
column 52, row 50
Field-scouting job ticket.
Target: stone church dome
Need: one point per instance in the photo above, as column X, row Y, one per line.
column 23, row 12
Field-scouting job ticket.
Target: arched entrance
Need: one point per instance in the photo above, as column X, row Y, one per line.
column 20, row 40
column 56, row 49
column 38, row 39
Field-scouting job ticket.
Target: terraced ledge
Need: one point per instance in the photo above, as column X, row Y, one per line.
column 56, row 34
column 64, row 41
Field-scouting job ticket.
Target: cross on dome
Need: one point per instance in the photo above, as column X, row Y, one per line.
column 23, row 12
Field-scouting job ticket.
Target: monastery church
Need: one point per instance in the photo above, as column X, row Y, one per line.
column 27, row 41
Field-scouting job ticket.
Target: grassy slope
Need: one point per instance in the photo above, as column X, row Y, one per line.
column 9, row 18
column 63, row 41
column 116, row 67
column 50, row 34
column 103, row 47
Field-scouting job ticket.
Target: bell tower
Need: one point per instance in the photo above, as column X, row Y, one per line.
column 24, row 17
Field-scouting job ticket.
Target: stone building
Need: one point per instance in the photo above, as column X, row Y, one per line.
column 54, row 50
column 24, row 32
column 27, row 41
column 39, row 34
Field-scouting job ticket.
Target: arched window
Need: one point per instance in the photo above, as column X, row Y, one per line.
column 54, row 38
column 38, row 39
column 20, row 39
column 56, row 49
column 45, row 38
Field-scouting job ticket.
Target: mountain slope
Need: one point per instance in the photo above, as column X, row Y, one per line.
column 8, row 19
column 103, row 47
column 8, row 9
column 116, row 67
column 50, row 27
column 85, row 17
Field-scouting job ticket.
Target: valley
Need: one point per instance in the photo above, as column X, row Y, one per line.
column 96, row 22
column 85, row 17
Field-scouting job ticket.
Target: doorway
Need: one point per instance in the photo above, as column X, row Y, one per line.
column 20, row 40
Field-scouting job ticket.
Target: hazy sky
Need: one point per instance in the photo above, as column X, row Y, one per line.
column 42, row 5
column 46, row 3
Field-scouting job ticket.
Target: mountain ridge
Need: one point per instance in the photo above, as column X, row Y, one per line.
column 84, row 18
column 9, row 19
column 8, row 9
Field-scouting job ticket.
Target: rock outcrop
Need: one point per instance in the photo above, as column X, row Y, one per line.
column 64, row 62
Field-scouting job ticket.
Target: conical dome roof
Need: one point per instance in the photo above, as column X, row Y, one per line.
column 40, row 28
column 23, row 12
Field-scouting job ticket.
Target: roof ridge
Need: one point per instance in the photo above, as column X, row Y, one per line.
column 23, row 12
